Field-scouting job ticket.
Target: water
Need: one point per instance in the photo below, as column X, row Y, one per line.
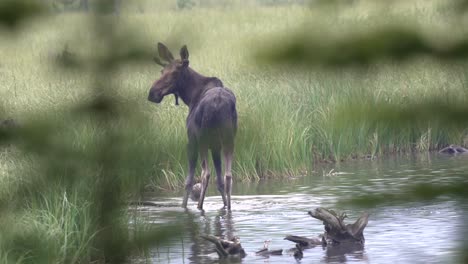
column 413, row 232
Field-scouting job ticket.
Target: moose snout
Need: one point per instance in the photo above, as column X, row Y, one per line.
column 154, row 97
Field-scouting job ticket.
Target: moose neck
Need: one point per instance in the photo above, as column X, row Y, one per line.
column 192, row 85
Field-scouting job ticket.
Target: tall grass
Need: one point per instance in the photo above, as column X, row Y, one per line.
column 286, row 116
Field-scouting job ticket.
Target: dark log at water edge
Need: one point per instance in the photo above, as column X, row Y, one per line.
column 226, row 248
column 454, row 150
column 336, row 231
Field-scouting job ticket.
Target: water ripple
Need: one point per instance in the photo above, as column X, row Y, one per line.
column 414, row 232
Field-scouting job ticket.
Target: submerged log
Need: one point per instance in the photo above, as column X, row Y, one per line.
column 226, row 248
column 336, row 231
column 453, row 150
column 298, row 252
column 266, row 252
column 305, row 242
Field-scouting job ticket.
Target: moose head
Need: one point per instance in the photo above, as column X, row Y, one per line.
column 173, row 73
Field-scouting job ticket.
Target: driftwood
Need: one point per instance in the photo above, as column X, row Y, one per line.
column 266, row 252
column 226, row 248
column 298, row 253
column 453, row 150
column 338, row 239
column 305, row 242
column 336, row 231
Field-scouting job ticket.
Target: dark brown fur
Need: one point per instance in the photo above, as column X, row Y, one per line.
column 211, row 122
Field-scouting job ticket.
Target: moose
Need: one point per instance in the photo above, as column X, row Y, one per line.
column 211, row 122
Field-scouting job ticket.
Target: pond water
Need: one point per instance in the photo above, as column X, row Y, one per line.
column 413, row 232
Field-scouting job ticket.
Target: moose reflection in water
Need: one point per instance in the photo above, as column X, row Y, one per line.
column 211, row 122
column 220, row 225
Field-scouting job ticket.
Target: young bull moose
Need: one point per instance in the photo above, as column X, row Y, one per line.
column 211, row 122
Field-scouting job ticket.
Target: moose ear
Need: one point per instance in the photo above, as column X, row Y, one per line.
column 159, row 62
column 184, row 56
column 184, row 53
column 164, row 53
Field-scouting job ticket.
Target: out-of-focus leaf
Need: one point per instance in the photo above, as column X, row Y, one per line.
column 131, row 48
column 8, row 129
column 99, row 105
column 12, row 12
column 108, row 6
column 462, row 5
column 125, row 54
column 451, row 115
column 389, row 42
column 415, row 193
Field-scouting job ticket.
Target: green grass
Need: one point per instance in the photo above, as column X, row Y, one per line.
column 288, row 116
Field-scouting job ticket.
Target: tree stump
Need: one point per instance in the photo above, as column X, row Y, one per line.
column 336, row 231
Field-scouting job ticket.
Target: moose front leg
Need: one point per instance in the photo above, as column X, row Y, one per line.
column 192, row 157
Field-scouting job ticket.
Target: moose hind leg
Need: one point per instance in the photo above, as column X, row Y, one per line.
column 216, row 155
column 192, row 157
column 228, row 176
column 205, row 177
